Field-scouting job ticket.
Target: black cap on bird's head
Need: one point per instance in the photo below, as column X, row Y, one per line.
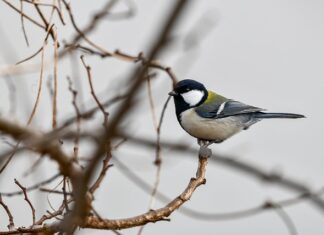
column 187, row 94
column 187, row 85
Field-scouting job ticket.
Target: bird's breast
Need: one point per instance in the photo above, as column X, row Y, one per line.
column 209, row 128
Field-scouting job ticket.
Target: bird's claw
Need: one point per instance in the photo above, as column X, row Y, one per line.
column 205, row 152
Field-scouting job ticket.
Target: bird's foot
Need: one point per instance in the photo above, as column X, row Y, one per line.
column 204, row 152
column 206, row 143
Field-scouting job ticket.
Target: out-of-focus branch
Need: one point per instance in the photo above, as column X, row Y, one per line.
column 31, row 138
column 79, row 213
column 140, row 58
column 33, row 187
column 244, row 167
column 213, row 216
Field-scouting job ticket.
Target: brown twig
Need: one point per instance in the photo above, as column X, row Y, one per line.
column 27, row 200
column 11, row 222
column 38, row 51
column 22, row 22
column 78, row 215
column 90, row 112
column 33, row 187
column 46, row 23
column 158, row 160
column 54, row 116
column 59, row 13
column 78, row 118
column 151, row 102
column 154, row 215
column 31, row 116
column 52, row 214
column 127, row 57
column 82, row 33
column 23, row 14
column 41, row 145
column 65, row 200
column 93, row 93
column 39, row 90
column 105, row 167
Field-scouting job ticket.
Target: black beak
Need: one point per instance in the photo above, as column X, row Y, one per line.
column 173, row 93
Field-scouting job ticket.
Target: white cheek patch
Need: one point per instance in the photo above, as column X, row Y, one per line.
column 193, row 97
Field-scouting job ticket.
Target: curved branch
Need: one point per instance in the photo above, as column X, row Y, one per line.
column 153, row 215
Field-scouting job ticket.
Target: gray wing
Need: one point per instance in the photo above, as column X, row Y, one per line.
column 225, row 109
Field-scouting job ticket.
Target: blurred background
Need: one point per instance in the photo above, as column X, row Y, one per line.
column 269, row 54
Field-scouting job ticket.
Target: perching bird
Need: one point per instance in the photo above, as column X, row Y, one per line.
column 212, row 118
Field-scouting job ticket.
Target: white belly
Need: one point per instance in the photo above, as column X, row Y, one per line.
column 210, row 129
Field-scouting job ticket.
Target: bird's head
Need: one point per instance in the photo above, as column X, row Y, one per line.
column 188, row 93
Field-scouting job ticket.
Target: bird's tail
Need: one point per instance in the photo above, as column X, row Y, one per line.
column 262, row 115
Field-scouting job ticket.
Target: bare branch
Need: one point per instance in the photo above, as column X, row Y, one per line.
column 27, row 200
column 88, row 69
column 11, row 222
column 153, row 215
column 34, row 187
column 24, row 15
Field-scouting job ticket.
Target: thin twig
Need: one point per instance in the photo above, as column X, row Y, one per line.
column 59, row 13
column 105, row 167
column 78, row 118
column 27, row 200
column 33, row 187
column 23, row 14
column 22, row 22
column 11, row 225
column 291, row 227
column 54, row 115
column 38, row 51
column 33, row 167
column 65, row 200
column 93, row 93
column 52, row 214
column 151, row 102
column 158, row 160
column 40, row 82
column 46, row 23
column 91, row 26
column 126, row 57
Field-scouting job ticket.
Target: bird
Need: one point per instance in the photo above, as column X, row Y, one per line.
column 212, row 118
